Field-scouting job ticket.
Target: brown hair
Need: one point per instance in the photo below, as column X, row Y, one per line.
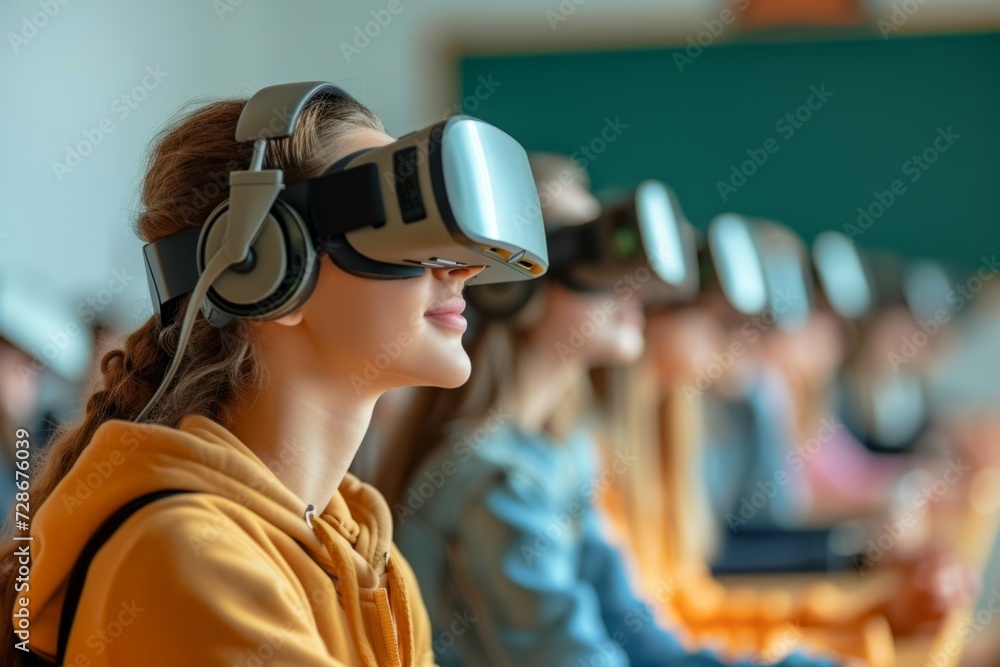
column 185, row 180
column 436, row 416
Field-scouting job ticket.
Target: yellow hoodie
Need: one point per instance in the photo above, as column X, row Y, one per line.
column 231, row 575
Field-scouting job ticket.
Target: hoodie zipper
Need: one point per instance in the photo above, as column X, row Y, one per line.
column 388, row 624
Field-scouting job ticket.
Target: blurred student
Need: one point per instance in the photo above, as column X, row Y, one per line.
column 665, row 512
column 492, row 486
column 45, row 353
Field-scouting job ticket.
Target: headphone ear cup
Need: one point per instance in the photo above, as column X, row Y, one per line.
column 501, row 300
column 533, row 310
column 277, row 277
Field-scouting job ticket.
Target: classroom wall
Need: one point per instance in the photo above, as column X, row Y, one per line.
column 893, row 142
column 111, row 73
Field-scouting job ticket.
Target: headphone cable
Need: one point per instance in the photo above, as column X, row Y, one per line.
column 216, row 266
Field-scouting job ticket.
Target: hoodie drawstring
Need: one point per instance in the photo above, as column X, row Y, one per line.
column 349, row 593
column 400, row 598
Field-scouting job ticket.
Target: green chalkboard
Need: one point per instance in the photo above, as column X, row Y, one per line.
column 876, row 105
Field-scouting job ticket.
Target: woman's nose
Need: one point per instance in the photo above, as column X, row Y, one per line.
column 456, row 275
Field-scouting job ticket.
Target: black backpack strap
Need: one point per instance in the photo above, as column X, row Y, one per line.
column 78, row 575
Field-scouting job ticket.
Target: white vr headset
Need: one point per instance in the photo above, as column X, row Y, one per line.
column 457, row 193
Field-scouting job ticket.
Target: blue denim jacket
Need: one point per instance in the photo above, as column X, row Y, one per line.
column 500, row 529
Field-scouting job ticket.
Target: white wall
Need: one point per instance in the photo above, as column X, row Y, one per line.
column 63, row 79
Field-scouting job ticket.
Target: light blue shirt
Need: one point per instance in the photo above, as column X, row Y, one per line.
column 500, row 528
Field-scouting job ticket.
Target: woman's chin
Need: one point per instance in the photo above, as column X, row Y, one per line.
column 619, row 353
column 453, row 380
column 452, row 372
column 629, row 355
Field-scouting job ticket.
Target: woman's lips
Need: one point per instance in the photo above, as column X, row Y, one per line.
column 449, row 314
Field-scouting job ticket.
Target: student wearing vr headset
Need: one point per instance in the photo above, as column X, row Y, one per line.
column 200, row 512
column 492, row 485
column 663, row 508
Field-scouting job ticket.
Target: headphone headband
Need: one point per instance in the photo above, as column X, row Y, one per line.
column 270, row 114
column 256, row 257
column 269, row 107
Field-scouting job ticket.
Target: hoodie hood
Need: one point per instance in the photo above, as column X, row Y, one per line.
column 126, row 460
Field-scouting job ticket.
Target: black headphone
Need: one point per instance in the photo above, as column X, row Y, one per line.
column 255, row 255
column 272, row 248
column 504, row 300
column 579, row 259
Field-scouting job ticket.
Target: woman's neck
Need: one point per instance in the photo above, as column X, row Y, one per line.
column 305, row 427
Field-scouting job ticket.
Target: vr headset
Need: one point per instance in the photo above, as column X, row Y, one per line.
column 643, row 242
column 789, row 274
column 760, row 265
column 645, row 232
column 731, row 258
column 843, row 275
column 458, row 193
column 856, row 283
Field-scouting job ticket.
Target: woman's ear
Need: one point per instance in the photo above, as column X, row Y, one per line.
column 291, row 319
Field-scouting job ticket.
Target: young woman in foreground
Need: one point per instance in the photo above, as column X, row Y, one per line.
column 492, row 486
column 274, row 555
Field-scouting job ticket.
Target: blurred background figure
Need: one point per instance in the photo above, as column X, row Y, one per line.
column 493, row 484
column 813, row 461
column 46, row 351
